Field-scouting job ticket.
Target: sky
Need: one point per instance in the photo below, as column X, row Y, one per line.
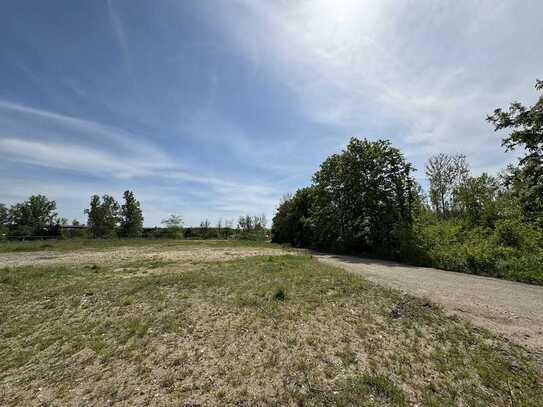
column 214, row 109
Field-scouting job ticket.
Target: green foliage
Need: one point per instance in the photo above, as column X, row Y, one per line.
column 445, row 172
column 251, row 228
column 292, row 222
column 131, row 216
column 174, row 227
column 378, row 387
column 103, row 216
column 279, row 295
column 205, row 226
column 527, row 134
column 476, row 200
column 364, row 201
column 35, row 216
column 4, row 214
column 361, row 201
column 4, row 218
column 511, row 250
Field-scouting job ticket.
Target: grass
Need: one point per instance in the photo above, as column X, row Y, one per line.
column 274, row 330
column 105, row 244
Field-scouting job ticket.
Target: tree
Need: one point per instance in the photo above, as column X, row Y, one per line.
column 363, row 199
column 527, row 133
column 476, row 200
column 292, row 222
column 252, row 227
column 103, row 216
column 131, row 216
column 219, row 227
column 4, row 218
column 228, row 228
column 34, row 216
column 3, row 214
column 174, row 226
column 445, row 172
column 204, row 228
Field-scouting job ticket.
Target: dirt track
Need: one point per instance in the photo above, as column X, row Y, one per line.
column 508, row 308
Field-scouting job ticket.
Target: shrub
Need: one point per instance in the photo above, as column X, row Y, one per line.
column 279, row 295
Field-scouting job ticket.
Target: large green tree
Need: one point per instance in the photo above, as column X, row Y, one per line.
column 364, row 199
column 103, row 216
column 131, row 216
column 35, row 216
column 526, row 125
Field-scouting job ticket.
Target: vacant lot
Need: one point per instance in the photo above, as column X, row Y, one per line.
column 234, row 324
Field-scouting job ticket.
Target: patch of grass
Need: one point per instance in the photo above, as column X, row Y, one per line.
column 376, row 389
column 257, row 330
column 347, row 356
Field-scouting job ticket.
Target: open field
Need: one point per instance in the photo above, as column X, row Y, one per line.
column 71, row 245
column 223, row 323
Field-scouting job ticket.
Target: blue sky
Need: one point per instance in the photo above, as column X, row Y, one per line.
column 218, row 108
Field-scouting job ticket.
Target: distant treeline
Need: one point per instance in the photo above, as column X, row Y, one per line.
column 365, row 201
column 37, row 218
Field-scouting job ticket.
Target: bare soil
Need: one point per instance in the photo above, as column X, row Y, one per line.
column 123, row 255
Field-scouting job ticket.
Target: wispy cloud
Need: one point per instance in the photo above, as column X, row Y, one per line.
column 118, row 30
column 428, row 73
column 38, row 127
column 75, row 158
column 118, row 157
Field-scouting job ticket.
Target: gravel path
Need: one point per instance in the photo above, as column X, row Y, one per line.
column 512, row 309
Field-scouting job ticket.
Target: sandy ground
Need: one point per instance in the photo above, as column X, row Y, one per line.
column 130, row 254
column 508, row 308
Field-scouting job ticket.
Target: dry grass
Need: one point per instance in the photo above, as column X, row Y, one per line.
column 130, row 255
column 267, row 330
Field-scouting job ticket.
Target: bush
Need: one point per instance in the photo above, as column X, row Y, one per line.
column 512, row 250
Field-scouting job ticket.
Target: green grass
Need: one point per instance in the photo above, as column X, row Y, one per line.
column 275, row 330
column 105, row 244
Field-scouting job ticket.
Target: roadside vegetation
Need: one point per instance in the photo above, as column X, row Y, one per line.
column 365, row 201
column 200, row 330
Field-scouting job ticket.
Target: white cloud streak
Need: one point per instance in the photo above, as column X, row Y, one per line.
column 120, row 160
column 429, row 71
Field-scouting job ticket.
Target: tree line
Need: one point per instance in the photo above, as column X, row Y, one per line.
column 37, row 217
column 106, row 218
column 365, row 201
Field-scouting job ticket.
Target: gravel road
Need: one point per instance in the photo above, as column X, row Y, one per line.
column 514, row 310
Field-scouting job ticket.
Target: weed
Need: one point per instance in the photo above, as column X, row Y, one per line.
column 279, row 295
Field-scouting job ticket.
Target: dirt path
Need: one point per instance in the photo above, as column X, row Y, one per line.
column 512, row 309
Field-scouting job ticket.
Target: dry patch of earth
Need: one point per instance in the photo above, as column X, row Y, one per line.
column 124, row 255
